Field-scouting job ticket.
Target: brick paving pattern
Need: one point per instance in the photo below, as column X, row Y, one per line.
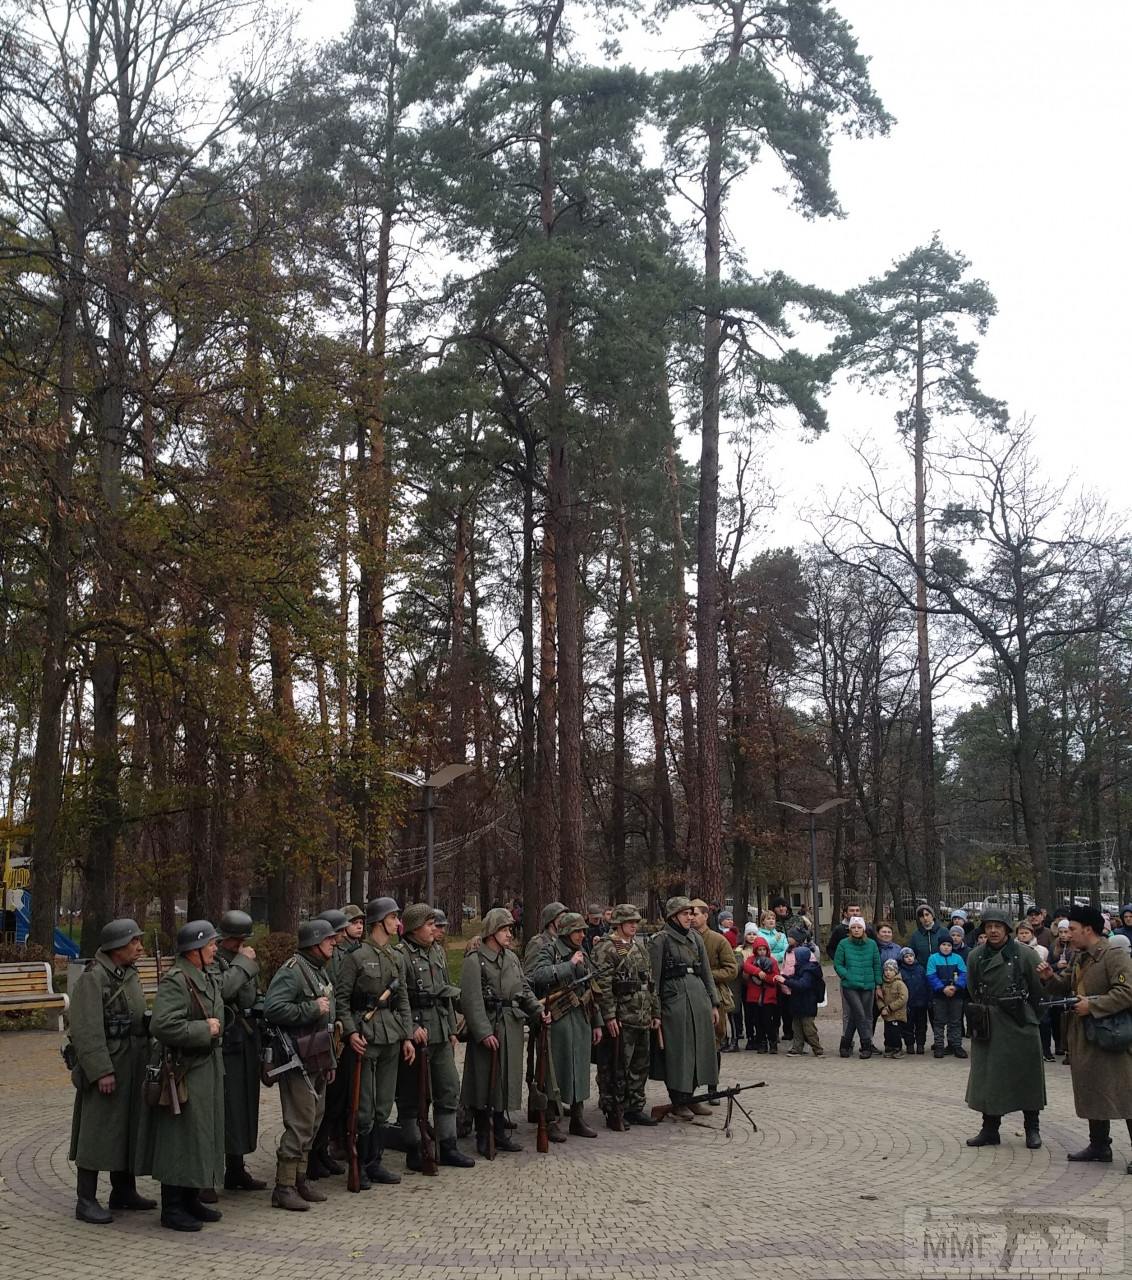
column 844, row 1148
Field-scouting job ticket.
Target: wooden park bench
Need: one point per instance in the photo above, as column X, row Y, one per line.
column 147, row 972
column 25, row 987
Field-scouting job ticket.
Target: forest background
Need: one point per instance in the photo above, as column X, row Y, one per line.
column 424, row 394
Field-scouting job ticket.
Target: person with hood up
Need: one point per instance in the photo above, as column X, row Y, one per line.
column 857, row 964
column 807, row 990
column 926, row 935
column 893, row 1009
column 763, row 980
column 919, row 1000
column 1125, row 926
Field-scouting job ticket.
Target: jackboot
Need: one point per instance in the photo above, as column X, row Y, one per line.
column 450, row 1154
column 319, row 1164
column 87, row 1208
column 364, row 1183
column 237, row 1177
column 312, row 1195
column 207, row 1195
column 375, row 1170
column 190, row 1198
column 1099, row 1149
column 616, row 1122
column 174, row 1215
column 503, row 1139
column 641, row 1117
column 481, row 1133
column 578, row 1126
column 988, row 1135
column 124, row 1193
column 1033, row 1132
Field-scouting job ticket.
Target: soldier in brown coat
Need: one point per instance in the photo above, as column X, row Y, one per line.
column 724, row 967
column 1101, row 979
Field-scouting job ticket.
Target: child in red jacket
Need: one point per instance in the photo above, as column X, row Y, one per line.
column 763, row 979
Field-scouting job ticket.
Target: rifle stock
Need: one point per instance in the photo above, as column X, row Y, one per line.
column 354, row 1177
column 424, row 1100
column 542, row 1139
column 493, row 1077
column 659, row 1113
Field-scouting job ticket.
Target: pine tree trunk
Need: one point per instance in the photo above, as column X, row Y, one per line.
column 528, row 817
column 546, row 807
column 619, row 889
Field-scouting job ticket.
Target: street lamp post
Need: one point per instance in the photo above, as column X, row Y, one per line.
column 430, row 786
column 812, row 814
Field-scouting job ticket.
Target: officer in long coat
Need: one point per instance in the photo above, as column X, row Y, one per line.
column 349, row 925
column 536, row 947
column 373, row 1005
column 238, row 970
column 432, row 999
column 496, row 1000
column 300, row 1001
column 185, row 1151
column 689, row 1010
column 1101, row 979
column 629, row 1009
column 1006, row 1048
column 575, row 1024
column 108, row 1045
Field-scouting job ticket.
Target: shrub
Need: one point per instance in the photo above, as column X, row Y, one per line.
column 272, row 950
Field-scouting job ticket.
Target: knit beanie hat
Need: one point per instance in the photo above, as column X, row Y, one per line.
column 750, row 929
column 907, row 951
column 857, row 920
column 891, row 964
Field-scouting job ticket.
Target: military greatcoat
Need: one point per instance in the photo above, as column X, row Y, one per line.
column 687, row 996
column 107, row 1031
column 1102, row 1078
column 187, row 1150
column 1006, row 1070
column 496, row 1000
column 238, row 976
column 574, row 1016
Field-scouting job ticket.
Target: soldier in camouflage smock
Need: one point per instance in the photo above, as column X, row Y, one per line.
column 630, row 1010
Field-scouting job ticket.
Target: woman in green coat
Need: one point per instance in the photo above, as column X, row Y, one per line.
column 185, row 1152
column 107, row 1033
column 1006, row 1047
column 575, row 1024
column 689, row 1010
column 496, row 1000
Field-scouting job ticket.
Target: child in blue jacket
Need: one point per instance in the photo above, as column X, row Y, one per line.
column 919, row 1001
column 947, row 976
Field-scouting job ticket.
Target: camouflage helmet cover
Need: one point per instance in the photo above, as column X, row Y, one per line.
column 497, row 918
column 570, row 923
column 417, row 914
column 550, row 913
column 625, row 913
column 352, row 912
column 675, row 905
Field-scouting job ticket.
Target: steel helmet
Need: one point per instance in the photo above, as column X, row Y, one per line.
column 194, row 935
column 235, row 924
column 312, row 932
column 118, row 933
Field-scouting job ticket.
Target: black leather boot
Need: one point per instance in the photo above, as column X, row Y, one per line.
column 503, row 1139
column 124, row 1193
column 376, row 1171
column 190, row 1199
column 988, row 1135
column 237, row 1177
column 1033, row 1131
column 87, row 1208
column 450, row 1154
column 174, row 1215
column 1099, row 1149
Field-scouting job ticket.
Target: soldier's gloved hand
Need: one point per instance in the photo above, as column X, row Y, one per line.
column 323, row 1003
column 420, row 1035
column 107, row 1084
column 408, row 1053
column 490, row 1042
column 214, row 1027
column 358, row 1044
column 613, row 1027
column 597, row 1035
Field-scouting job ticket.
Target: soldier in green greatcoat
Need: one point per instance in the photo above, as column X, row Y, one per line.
column 689, row 1010
column 533, row 955
column 496, row 999
column 238, row 971
column 432, row 999
column 373, row 1005
column 1004, row 989
column 349, row 925
column 108, row 1044
column 300, row 1004
column 629, row 1011
column 575, row 1026
column 185, row 1151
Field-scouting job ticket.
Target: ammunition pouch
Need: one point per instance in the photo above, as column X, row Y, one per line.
column 623, row 987
column 671, row 972
column 980, row 1019
column 1014, row 1007
column 315, row 1050
column 425, row 1000
column 120, row 1026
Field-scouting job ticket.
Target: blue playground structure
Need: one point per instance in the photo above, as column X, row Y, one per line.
column 63, row 944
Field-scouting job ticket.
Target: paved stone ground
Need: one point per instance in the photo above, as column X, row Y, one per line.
column 844, row 1148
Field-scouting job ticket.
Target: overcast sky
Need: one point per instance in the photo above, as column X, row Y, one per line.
column 1011, row 118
